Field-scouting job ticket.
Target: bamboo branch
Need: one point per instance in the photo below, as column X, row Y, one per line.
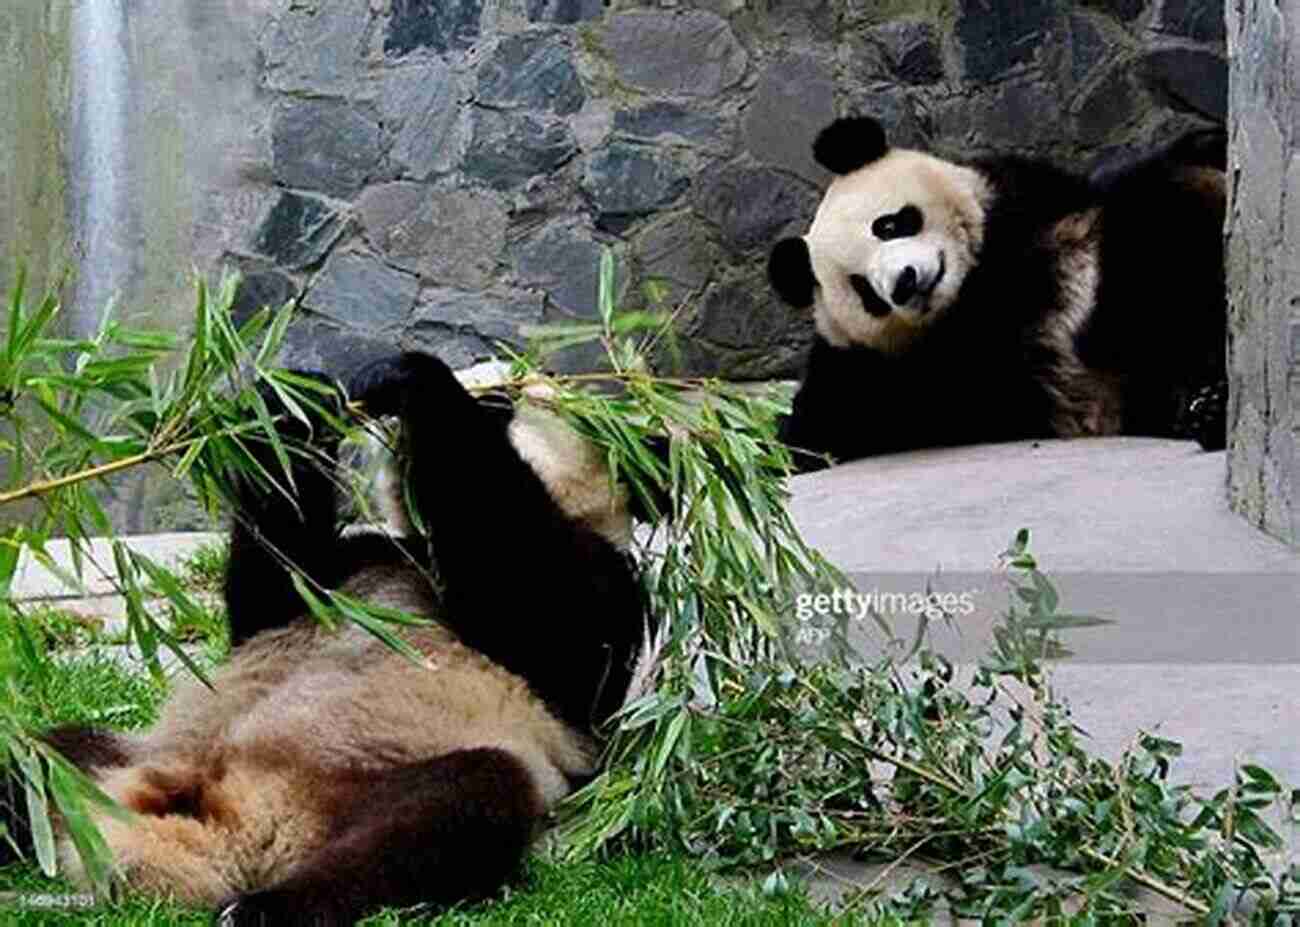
column 42, row 487
column 1147, row 881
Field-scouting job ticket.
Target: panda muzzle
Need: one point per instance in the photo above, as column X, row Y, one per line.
column 910, row 283
column 905, row 287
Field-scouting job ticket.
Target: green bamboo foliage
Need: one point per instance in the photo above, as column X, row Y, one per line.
column 76, row 412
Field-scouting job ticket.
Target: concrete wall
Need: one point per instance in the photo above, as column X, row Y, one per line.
column 34, row 70
column 1264, row 266
column 131, row 152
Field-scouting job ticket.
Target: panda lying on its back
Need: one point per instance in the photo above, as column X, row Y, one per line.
column 326, row 775
column 1004, row 299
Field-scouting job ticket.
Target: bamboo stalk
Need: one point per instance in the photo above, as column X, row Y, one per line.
column 1148, row 881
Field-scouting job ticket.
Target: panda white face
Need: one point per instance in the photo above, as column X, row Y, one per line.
column 891, row 245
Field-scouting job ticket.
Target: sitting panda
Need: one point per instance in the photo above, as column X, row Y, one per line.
column 1004, row 299
column 325, row 775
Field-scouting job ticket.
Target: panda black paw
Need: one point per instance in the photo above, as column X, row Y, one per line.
column 385, row 386
column 1205, row 418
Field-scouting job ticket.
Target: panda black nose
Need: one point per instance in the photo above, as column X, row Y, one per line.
column 905, row 286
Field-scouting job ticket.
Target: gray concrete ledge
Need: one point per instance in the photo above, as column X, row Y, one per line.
column 1205, row 648
column 33, row 581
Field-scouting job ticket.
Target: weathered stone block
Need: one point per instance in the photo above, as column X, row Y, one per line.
column 794, row 100
column 453, row 236
column 490, row 316
column 298, row 230
column 897, row 110
column 439, row 25
column 361, row 291
column 533, row 70
column 311, row 344
column 625, row 181
column 661, row 118
column 1089, row 47
column 734, row 315
column 564, row 260
column 456, row 349
column 564, row 11
column 1202, row 20
column 677, row 253
column 911, row 50
column 323, row 145
column 420, row 107
column 1190, row 77
column 317, row 48
column 743, row 332
column 507, row 149
column 1009, row 117
column 997, row 37
column 259, row 290
column 1127, row 10
column 1107, row 107
column 691, row 53
column 751, row 205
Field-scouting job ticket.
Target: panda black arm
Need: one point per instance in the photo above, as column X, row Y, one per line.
column 268, row 530
column 846, row 407
column 530, row 588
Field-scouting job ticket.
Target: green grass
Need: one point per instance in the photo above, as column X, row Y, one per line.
column 62, row 628
column 204, row 570
column 89, row 688
column 94, row 688
column 625, row 890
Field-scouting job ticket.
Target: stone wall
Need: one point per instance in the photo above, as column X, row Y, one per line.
column 439, row 173
column 1264, row 266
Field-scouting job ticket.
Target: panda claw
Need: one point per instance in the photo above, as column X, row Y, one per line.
column 1205, row 417
column 227, row 914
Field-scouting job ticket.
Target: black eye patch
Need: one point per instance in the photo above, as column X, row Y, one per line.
column 902, row 224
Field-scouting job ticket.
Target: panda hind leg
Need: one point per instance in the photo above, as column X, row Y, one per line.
column 445, row 830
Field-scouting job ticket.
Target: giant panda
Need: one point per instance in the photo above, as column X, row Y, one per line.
column 1004, row 298
column 325, row 775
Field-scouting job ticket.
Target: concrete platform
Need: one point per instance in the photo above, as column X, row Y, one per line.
column 33, row 582
column 1205, row 648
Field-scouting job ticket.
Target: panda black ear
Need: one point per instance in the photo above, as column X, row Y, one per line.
column 850, row 143
column 789, row 268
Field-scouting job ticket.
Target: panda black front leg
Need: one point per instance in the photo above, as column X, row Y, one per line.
column 270, row 531
column 541, row 593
